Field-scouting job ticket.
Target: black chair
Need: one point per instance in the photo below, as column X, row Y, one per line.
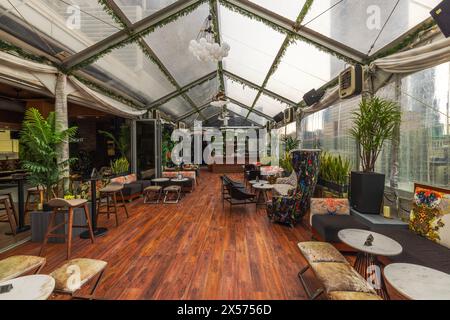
column 247, row 169
column 238, row 196
column 227, row 181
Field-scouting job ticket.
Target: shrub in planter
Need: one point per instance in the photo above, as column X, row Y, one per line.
column 334, row 173
column 374, row 123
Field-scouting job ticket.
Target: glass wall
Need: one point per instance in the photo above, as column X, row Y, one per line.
column 424, row 154
column 329, row 129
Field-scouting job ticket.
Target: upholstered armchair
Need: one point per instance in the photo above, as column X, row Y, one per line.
column 291, row 209
column 285, row 186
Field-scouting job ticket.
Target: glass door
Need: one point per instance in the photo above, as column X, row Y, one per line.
column 147, row 147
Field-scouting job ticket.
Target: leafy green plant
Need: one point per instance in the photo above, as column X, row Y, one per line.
column 122, row 142
column 334, row 169
column 374, row 123
column 167, row 146
column 289, row 145
column 120, row 166
column 40, row 139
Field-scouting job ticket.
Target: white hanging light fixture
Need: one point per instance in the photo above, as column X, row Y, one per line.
column 204, row 48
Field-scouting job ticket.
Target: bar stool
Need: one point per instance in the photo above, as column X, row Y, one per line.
column 110, row 193
column 62, row 205
column 8, row 205
column 35, row 196
column 172, row 190
column 155, row 191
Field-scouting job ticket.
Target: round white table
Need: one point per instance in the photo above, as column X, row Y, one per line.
column 252, row 182
column 262, row 189
column 367, row 263
column 160, row 180
column 35, row 287
column 179, row 180
column 418, row 282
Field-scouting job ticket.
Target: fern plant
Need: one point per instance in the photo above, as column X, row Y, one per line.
column 40, row 139
column 374, row 123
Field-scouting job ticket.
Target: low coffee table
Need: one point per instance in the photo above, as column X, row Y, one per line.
column 366, row 258
column 262, row 189
column 418, row 282
column 35, row 287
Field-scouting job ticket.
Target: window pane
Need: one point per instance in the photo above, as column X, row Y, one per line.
column 302, row 69
column 171, row 45
column 136, row 10
column 176, row 107
column 204, row 92
column 133, row 70
column 244, row 94
column 253, row 45
column 357, row 23
column 269, row 106
column 75, row 24
column 286, row 8
column 425, row 139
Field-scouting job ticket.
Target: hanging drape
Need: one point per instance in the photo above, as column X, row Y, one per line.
column 45, row 77
column 415, row 60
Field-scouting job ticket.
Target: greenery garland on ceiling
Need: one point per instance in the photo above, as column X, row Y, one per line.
column 215, row 23
column 282, row 30
column 10, row 48
column 135, row 37
column 282, row 51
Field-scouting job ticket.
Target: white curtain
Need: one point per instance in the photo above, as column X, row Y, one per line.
column 415, row 60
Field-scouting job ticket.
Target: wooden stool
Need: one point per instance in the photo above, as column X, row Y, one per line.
column 8, row 205
column 35, row 196
column 110, row 192
column 174, row 190
column 59, row 205
column 156, row 191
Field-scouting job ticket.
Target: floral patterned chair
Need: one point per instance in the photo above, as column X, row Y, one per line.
column 291, row 209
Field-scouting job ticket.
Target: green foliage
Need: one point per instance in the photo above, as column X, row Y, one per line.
column 374, row 123
column 122, row 142
column 289, row 144
column 40, row 140
column 120, row 166
column 167, row 146
column 334, row 169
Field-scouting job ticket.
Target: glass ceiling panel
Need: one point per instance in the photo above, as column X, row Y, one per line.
column 136, row 10
column 204, row 92
column 286, row 8
column 269, row 106
column 171, row 45
column 237, row 91
column 75, row 24
column 357, row 23
column 210, row 111
column 130, row 67
column 243, row 112
column 303, row 68
column 176, row 107
column 253, row 45
column 190, row 120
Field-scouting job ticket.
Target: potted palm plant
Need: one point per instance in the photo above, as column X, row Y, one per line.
column 40, row 140
column 374, row 123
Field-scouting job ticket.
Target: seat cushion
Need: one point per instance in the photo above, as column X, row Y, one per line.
column 336, row 276
column 328, row 226
column 131, row 189
column 315, row 251
column 418, row 249
column 16, row 266
column 173, row 188
column 283, row 189
column 348, row 295
column 153, row 188
column 89, row 268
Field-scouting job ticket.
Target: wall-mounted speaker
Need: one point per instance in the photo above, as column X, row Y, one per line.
column 313, row 97
column 351, row 82
column 441, row 14
column 289, row 115
column 279, row 117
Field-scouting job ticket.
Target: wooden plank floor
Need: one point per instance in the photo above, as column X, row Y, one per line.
column 191, row 250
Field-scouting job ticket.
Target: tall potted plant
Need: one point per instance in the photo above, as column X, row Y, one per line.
column 374, row 123
column 40, row 139
column 290, row 144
